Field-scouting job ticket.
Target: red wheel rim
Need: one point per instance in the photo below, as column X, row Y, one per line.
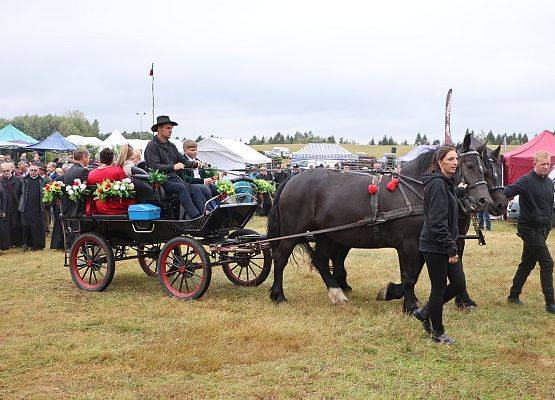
column 89, row 263
column 180, row 267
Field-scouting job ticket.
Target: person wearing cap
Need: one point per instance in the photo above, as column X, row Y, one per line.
column 280, row 175
column 295, row 169
column 162, row 155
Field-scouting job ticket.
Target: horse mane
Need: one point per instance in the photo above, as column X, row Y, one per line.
column 420, row 165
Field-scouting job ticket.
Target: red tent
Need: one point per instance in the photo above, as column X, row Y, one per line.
column 520, row 161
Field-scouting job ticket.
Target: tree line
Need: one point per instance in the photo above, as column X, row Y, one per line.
column 298, row 137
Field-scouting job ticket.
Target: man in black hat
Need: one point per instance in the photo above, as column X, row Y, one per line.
column 161, row 154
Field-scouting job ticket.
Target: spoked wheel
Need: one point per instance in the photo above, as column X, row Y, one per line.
column 148, row 256
column 91, row 263
column 247, row 269
column 184, row 268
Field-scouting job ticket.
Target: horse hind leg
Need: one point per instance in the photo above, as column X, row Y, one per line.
column 338, row 257
column 320, row 258
column 281, row 256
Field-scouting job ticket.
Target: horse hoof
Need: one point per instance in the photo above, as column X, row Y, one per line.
column 337, row 297
column 467, row 308
column 382, row 294
column 278, row 298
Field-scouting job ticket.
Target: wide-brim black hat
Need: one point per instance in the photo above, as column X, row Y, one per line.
column 161, row 120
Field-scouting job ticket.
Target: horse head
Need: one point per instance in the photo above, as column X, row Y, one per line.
column 492, row 162
column 471, row 171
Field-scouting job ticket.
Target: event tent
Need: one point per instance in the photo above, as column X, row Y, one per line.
column 115, row 139
column 411, row 155
column 85, row 140
column 228, row 154
column 11, row 145
column 11, row 134
column 323, row 151
column 520, row 161
column 56, row 142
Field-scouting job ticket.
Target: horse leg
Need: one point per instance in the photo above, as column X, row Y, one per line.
column 281, row 256
column 463, row 300
column 324, row 250
column 338, row 256
column 411, row 261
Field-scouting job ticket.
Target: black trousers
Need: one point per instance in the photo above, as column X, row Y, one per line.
column 191, row 200
column 439, row 271
column 534, row 250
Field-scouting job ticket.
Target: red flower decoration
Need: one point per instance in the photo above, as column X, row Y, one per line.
column 372, row 189
column 393, row 184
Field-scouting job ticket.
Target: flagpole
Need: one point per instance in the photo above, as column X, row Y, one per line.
column 152, row 75
column 447, row 138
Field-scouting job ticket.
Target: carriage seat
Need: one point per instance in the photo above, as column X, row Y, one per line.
column 106, row 217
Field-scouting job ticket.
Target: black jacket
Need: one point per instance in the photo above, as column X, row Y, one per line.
column 188, row 175
column 535, row 200
column 441, row 228
column 163, row 156
column 280, row 177
column 3, row 200
column 72, row 208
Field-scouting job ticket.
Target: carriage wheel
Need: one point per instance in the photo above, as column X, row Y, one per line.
column 247, row 269
column 148, row 256
column 91, row 263
column 184, row 268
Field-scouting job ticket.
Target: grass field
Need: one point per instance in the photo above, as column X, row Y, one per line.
column 133, row 342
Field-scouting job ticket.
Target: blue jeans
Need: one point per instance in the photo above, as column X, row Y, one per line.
column 484, row 220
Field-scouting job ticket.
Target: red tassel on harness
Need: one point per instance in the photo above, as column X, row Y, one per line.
column 393, row 184
column 372, row 189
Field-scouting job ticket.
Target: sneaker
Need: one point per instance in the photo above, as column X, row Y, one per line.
column 514, row 301
column 442, row 339
column 550, row 308
column 421, row 314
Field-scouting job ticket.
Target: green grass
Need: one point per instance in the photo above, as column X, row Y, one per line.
column 133, row 342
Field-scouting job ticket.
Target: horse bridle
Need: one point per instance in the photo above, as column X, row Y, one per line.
column 480, row 166
column 494, row 175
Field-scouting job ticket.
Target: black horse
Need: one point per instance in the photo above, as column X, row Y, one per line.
column 320, row 199
column 492, row 161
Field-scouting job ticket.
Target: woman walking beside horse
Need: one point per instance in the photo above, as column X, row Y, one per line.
column 438, row 242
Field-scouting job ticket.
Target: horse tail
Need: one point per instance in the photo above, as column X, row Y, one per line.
column 274, row 223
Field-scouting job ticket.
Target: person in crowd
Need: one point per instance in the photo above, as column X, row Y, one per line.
column 51, row 171
column 23, row 157
column 484, row 220
column 198, row 178
column 162, row 155
column 114, row 173
column 32, row 210
column 346, row 168
column 8, row 158
column 57, row 162
column 125, row 159
column 3, row 206
column 11, row 234
column 45, row 179
column 535, row 191
column 253, row 172
column 77, row 170
column 280, row 175
column 295, row 170
column 22, row 168
column 438, row 242
column 137, row 156
column 59, row 173
column 36, row 158
column 2, row 158
column 265, row 199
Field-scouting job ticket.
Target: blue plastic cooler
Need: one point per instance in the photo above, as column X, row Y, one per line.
column 143, row 212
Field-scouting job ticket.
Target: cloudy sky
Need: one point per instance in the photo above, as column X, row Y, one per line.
column 354, row 69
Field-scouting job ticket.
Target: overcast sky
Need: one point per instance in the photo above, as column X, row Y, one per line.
column 237, row 68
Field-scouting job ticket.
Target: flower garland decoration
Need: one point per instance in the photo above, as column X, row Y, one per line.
column 52, row 191
column 77, row 190
column 263, row 186
column 225, row 186
column 372, row 189
column 392, row 184
column 118, row 189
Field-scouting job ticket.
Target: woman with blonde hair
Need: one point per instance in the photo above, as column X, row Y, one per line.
column 124, row 159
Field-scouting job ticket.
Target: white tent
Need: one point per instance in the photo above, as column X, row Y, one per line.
column 228, row 154
column 84, row 140
column 115, row 139
column 322, row 151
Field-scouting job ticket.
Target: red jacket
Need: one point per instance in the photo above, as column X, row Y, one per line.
column 111, row 206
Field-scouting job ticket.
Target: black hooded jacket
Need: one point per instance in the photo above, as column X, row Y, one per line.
column 440, row 231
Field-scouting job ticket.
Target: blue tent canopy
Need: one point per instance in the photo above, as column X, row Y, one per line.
column 54, row 142
column 11, row 134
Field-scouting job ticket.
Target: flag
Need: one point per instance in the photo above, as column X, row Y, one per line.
column 151, row 73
